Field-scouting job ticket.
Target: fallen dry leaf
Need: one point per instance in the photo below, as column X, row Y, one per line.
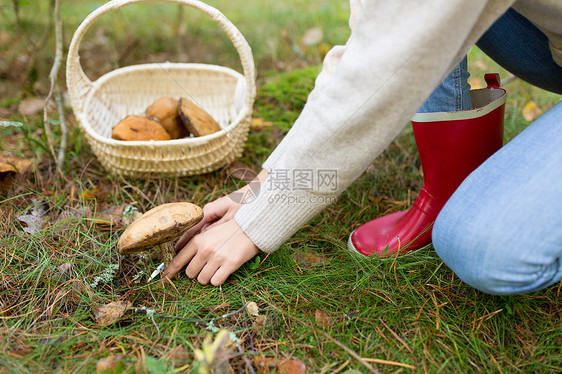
column 35, row 220
column 322, row 319
column 73, row 213
column 90, row 194
column 10, row 167
column 107, row 314
column 265, row 365
column 110, row 364
column 260, row 123
column 252, row 309
column 7, row 169
column 112, row 219
column 306, row 259
column 31, row 106
column 259, row 322
column 291, row 367
column 21, row 165
column 531, row 111
column 239, row 170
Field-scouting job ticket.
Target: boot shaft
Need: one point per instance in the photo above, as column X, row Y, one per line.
column 452, row 144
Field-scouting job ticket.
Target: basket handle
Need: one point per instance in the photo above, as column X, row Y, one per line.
column 79, row 85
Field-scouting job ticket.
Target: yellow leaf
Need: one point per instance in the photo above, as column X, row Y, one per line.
column 214, row 355
column 531, row 111
column 89, row 194
column 323, row 49
column 111, row 219
column 259, row 123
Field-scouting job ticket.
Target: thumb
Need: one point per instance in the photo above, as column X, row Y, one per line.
column 211, row 212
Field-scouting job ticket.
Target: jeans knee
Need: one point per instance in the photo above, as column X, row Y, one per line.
column 492, row 263
column 450, row 240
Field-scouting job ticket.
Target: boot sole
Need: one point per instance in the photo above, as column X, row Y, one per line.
column 351, row 248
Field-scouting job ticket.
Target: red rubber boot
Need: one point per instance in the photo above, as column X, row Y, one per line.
column 451, row 145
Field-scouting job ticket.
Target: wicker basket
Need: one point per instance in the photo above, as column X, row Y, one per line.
column 224, row 93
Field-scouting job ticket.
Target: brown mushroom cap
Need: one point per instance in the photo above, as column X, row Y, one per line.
column 165, row 110
column 159, row 225
column 197, row 121
column 139, row 128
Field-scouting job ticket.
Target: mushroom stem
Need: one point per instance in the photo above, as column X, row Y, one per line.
column 168, row 252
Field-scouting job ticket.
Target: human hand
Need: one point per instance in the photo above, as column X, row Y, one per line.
column 214, row 254
column 219, row 211
column 221, row 247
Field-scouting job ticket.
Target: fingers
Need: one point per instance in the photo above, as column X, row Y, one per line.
column 211, row 212
column 216, row 209
column 214, row 254
column 227, row 217
column 196, row 264
column 207, row 273
column 182, row 258
column 209, row 226
column 186, row 237
column 222, row 273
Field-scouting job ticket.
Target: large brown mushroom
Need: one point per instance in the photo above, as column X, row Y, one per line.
column 197, row 121
column 139, row 128
column 157, row 226
column 165, row 110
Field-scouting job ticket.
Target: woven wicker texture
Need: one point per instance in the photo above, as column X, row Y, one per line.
column 224, row 93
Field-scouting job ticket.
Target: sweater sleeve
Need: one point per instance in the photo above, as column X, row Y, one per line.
column 397, row 54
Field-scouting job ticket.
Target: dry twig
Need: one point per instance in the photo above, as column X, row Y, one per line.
column 55, row 90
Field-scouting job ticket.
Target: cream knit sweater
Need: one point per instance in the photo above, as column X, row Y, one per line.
column 368, row 90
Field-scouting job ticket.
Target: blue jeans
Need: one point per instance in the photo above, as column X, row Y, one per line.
column 519, row 47
column 501, row 231
column 515, row 44
column 452, row 94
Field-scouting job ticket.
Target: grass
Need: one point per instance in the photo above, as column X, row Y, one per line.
column 316, row 297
